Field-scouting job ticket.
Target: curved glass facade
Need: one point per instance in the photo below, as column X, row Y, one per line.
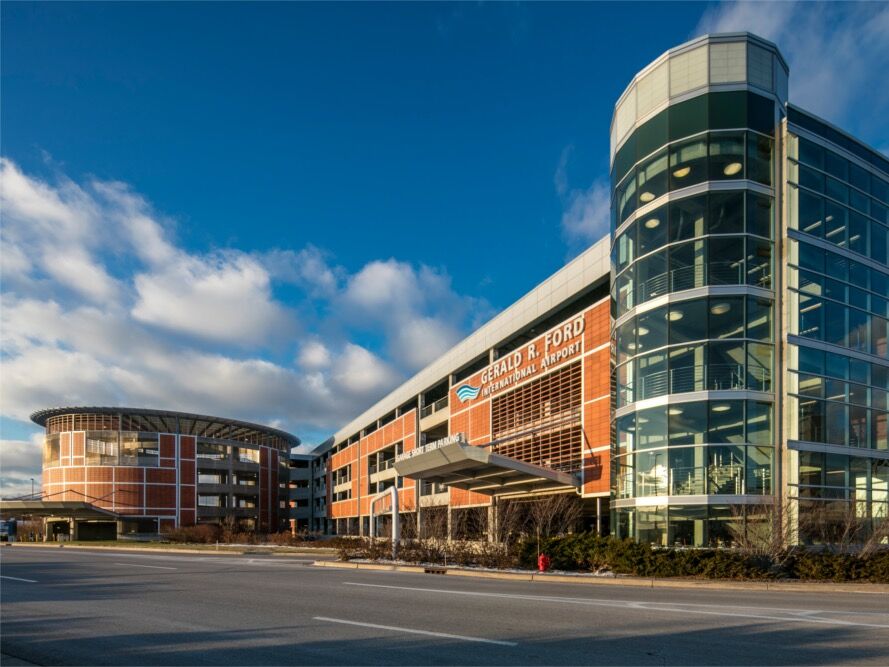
column 693, row 216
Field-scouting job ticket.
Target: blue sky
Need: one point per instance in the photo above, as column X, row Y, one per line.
column 278, row 211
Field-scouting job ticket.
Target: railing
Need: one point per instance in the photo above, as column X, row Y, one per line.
column 689, row 481
column 695, row 275
column 432, row 408
column 702, row 377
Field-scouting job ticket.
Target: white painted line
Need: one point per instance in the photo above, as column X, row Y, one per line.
column 427, row 633
column 669, row 607
column 153, row 567
column 27, row 581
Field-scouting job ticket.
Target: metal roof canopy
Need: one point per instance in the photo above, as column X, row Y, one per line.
column 477, row 468
column 62, row 508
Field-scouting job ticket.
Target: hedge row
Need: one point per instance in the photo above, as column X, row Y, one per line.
column 585, row 551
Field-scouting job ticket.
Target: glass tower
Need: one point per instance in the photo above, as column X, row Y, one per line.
column 738, row 378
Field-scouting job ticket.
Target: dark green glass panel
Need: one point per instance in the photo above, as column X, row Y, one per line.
column 688, row 117
column 728, row 110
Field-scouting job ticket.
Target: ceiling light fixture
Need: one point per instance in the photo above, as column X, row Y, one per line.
column 732, row 168
column 721, row 408
column 652, row 223
column 642, row 331
column 675, row 315
column 682, row 172
column 646, row 197
column 674, row 411
column 720, row 308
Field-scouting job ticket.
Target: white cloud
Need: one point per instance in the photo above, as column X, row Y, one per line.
column 224, row 297
column 314, row 356
column 129, row 318
column 586, row 213
column 416, row 307
column 838, row 55
column 20, row 461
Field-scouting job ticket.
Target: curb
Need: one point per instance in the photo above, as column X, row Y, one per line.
column 644, row 582
column 226, row 551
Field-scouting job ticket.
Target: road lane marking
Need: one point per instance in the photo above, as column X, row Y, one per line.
column 27, row 581
column 670, row 607
column 412, row 631
column 153, row 567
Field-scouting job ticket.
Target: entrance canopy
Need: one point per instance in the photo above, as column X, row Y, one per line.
column 61, row 508
column 453, row 462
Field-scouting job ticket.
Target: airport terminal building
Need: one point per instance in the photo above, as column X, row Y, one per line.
column 718, row 359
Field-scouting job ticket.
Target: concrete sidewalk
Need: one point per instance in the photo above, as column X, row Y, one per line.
column 621, row 580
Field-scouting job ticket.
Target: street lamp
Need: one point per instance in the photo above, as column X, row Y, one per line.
column 32, row 487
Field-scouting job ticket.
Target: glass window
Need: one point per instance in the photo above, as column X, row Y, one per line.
column 858, row 233
column 687, row 218
column 725, row 366
column 726, row 422
column 652, row 329
column 811, row 360
column 687, row 265
column 626, row 245
column 811, row 420
column 726, row 156
column 811, row 468
column 652, row 134
column 809, row 178
column 759, row 318
column 687, row 364
column 811, row 385
column 686, row 423
column 811, row 317
column 102, row 448
column 652, row 378
column 652, row 230
column 759, row 470
column 759, row 215
column 759, row 158
column 725, row 470
column 859, row 201
column 726, row 317
column 837, row 190
column 688, row 163
column 759, row 423
column 625, row 289
column 726, row 213
column 726, row 258
column 811, row 214
column 835, row 466
column 651, row 425
column 139, row 449
column 626, row 197
column 759, row 263
column 652, row 178
column 859, row 177
column 759, row 366
column 686, row 472
column 835, row 223
column 811, row 257
column 651, row 276
column 878, row 242
column 687, row 321
column 836, row 328
column 51, row 450
column 837, row 365
column 626, row 340
column 836, row 165
column 858, row 426
column 810, row 153
column 689, row 117
column 879, row 188
column 626, row 433
column 836, row 422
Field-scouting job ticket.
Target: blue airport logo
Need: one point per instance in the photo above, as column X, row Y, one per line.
column 467, row 392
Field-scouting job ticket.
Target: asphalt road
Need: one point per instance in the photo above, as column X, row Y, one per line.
column 64, row 606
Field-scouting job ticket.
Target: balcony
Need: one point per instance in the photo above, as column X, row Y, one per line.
column 703, row 377
column 434, row 414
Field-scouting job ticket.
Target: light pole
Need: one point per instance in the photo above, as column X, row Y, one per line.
column 32, row 487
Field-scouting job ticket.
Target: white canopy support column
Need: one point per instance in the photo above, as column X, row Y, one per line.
column 392, row 493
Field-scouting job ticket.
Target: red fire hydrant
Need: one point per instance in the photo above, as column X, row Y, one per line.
column 542, row 563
